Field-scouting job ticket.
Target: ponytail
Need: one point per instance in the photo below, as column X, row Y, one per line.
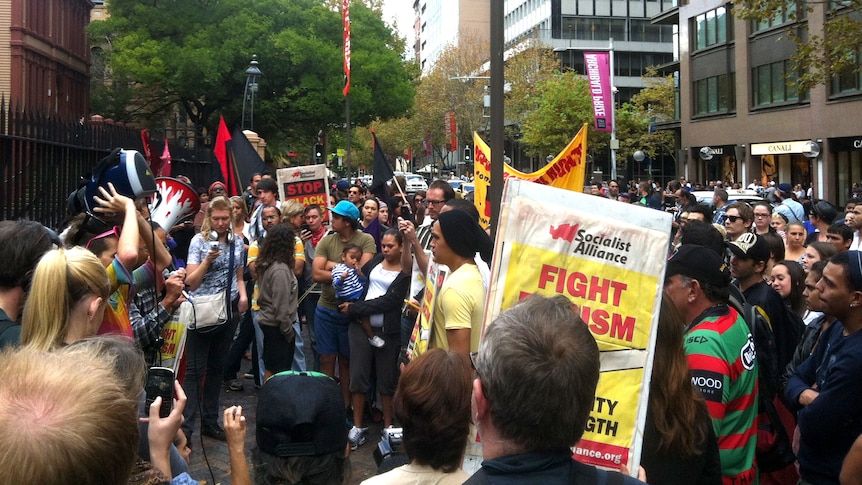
column 62, row 278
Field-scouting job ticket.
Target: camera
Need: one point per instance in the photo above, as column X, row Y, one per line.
column 126, row 169
column 390, row 453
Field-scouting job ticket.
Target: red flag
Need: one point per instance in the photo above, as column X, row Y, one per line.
column 221, row 154
column 345, row 18
column 154, row 162
column 165, row 168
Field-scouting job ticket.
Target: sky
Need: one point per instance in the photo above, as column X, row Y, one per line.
column 402, row 12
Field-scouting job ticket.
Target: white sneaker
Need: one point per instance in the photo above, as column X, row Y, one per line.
column 376, row 341
column 356, row 436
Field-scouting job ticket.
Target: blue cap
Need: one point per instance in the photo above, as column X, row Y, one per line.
column 346, row 209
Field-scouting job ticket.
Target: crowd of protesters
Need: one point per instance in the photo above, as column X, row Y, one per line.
column 755, row 378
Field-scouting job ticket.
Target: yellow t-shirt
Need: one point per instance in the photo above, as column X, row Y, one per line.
column 460, row 304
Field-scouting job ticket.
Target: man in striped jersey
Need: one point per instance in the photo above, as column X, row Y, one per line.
column 720, row 351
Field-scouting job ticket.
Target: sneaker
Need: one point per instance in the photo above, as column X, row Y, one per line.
column 376, row 341
column 235, row 385
column 248, row 375
column 356, row 436
column 383, row 432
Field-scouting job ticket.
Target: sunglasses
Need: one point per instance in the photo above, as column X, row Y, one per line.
column 115, row 231
column 733, row 218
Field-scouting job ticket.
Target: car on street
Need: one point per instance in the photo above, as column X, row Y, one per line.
column 415, row 183
column 745, row 195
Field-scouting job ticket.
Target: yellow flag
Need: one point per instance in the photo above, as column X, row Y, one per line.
column 565, row 171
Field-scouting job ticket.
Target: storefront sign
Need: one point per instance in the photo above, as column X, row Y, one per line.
column 778, row 147
column 846, row 144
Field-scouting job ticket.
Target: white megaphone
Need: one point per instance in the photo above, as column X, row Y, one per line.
column 173, row 201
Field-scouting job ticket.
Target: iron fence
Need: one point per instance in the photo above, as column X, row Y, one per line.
column 42, row 160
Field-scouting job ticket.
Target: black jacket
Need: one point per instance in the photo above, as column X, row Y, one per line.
column 389, row 304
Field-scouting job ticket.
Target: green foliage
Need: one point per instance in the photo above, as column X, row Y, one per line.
column 654, row 103
column 563, row 107
column 160, row 54
column 819, row 55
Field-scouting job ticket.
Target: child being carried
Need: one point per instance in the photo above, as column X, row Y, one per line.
column 349, row 284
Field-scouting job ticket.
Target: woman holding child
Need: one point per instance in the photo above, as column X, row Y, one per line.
column 380, row 304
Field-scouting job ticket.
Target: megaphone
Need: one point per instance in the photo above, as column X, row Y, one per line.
column 174, row 200
column 126, row 169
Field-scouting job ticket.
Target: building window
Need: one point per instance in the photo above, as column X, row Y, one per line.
column 849, row 81
column 713, row 95
column 775, row 83
column 782, row 16
column 713, row 27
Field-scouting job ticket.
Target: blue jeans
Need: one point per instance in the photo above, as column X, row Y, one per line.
column 307, row 308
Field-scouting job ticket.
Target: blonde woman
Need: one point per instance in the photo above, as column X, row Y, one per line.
column 211, row 272
column 67, row 299
column 239, row 214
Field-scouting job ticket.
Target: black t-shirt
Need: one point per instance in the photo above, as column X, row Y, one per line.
column 786, row 329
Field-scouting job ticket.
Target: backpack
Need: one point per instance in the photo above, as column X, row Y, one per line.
column 774, row 450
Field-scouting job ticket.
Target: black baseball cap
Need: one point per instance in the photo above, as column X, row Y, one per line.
column 698, row 262
column 300, row 414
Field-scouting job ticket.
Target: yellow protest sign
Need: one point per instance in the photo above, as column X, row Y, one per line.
column 609, row 259
column 421, row 335
column 174, row 335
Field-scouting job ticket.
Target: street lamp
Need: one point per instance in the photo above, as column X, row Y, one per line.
column 639, row 157
column 251, row 86
column 810, row 149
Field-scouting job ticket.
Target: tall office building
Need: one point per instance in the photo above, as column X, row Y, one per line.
column 742, row 116
column 571, row 27
column 445, row 22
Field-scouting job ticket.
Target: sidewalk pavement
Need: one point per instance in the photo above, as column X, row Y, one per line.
column 362, row 464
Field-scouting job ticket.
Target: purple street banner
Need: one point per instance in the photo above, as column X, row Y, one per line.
column 599, row 74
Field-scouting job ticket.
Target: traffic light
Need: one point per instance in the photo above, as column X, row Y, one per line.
column 466, row 153
column 318, row 152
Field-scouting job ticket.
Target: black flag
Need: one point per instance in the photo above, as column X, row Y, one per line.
column 381, row 170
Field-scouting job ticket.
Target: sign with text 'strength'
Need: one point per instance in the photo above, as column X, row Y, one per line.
column 609, row 259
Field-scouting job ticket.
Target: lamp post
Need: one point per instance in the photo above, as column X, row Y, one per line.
column 251, row 86
column 639, row 157
column 811, row 150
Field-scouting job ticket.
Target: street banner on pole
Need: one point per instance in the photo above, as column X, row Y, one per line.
column 609, row 259
column 345, row 19
column 565, row 171
column 307, row 184
column 599, row 74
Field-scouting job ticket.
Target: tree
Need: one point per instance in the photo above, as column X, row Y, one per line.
column 161, row 54
column 654, row 103
column 563, row 107
column 456, row 84
column 819, row 55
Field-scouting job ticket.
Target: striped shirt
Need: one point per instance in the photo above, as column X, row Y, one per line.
column 720, row 352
